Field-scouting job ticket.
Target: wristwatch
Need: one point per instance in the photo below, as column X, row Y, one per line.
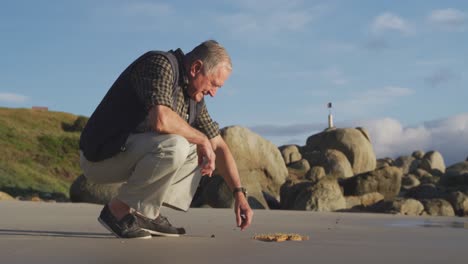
column 240, row 189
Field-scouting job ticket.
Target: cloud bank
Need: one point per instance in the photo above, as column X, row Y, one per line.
column 390, row 138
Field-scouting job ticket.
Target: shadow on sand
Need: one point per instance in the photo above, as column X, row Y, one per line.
column 46, row 233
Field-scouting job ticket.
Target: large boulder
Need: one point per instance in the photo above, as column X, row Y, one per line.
column 385, row 180
column 433, row 162
column 290, row 153
column 336, row 164
column 6, row 197
column 425, row 191
column 399, row 206
column 260, row 164
column 406, row 163
column 323, row 196
column 438, row 207
column 298, row 169
column 459, row 202
column 363, row 201
column 353, row 143
column 456, row 175
column 83, row 191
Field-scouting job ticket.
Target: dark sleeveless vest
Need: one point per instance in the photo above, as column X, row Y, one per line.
column 120, row 112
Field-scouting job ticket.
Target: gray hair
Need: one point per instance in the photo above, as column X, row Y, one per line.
column 212, row 54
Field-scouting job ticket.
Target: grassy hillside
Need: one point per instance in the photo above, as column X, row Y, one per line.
column 38, row 152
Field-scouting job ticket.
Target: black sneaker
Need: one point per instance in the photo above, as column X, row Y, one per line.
column 159, row 226
column 127, row 227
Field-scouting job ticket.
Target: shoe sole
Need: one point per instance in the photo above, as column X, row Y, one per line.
column 112, row 231
column 156, row 233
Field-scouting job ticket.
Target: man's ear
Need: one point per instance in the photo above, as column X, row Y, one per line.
column 196, row 67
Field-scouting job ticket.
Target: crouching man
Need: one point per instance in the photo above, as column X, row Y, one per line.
column 152, row 131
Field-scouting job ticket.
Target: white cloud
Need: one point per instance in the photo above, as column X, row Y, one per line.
column 390, row 22
column 266, row 18
column 448, row 136
column 449, row 19
column 13, row 98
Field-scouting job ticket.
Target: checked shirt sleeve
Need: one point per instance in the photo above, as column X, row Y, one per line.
column 153, row 79
column 205, row 124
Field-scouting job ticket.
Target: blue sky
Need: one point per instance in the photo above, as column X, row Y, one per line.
column 385, row 64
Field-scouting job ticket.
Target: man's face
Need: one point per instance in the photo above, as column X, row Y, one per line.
column 201, row 84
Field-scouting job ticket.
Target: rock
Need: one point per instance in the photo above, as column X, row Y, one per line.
column 260, row 164
column 353, row 143
column 400, row 206
column 421, row 173
column 298, row 169
column 428, row 178
column 386, row 180
column 83, row 191
column 385, row 162
column 324, row 196
column 217, row 194
column 336, row 164
column 456, row 175
column 406, row 163
column 315, row 174
column 289, row 191
column 425, row 191
column 290, row 153
column 438, row 207
column 459, row 202
column 407, row 206
column 433, row 162
column 418, row 154
column 409, row 181
column 6, row 197
column 365, row 200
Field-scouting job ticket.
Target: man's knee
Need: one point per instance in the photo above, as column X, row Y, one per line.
column 177, row 147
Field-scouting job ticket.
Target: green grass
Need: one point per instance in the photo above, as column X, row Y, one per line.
column 38, row 152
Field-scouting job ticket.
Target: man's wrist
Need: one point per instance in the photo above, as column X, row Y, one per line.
column 239, row 190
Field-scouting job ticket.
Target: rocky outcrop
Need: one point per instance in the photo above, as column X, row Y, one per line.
column 323, row 196
column 6, row 197
column 438, row 207
column 353, row 143
column 456, row 175
column 459, row 202
column 83, row 191
column 261, row 169
column 400, row 206
column 386, row 180
column 290, row 153
column 433, row 162
column 406, row 163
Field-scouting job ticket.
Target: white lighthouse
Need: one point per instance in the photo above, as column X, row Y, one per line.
column 330, row 115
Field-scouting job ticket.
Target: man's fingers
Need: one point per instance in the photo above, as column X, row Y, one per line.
column 238, row 218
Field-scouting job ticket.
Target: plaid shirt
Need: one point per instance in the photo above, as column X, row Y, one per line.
column 153, row 79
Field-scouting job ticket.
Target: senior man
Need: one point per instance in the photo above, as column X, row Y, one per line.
column 152, row 131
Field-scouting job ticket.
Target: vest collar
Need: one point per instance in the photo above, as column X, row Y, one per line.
column 183, row 78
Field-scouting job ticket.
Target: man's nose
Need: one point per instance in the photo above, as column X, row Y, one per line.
column 213, row 91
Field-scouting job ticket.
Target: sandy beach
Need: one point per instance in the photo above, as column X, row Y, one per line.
column 69, row 233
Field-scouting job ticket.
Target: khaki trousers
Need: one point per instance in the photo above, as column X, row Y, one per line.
column 155, row 169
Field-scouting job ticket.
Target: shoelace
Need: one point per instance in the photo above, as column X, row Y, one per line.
column 164, row 219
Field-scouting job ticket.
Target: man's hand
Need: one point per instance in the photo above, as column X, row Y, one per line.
column 243, row 211
column 206, row 158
